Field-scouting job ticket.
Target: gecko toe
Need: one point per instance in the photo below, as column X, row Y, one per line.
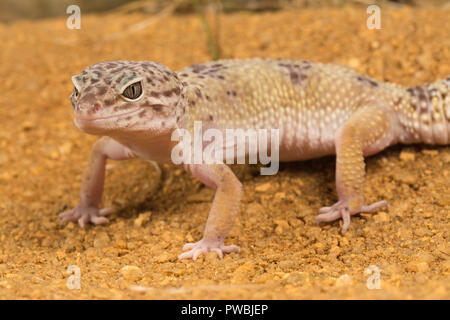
column 203, row 247
column 106, row 211
column 188, row 246
column 99, row 220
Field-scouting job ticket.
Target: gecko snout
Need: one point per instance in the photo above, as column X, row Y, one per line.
column 88, row 105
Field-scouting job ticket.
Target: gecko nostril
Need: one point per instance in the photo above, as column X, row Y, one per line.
column 96, row 107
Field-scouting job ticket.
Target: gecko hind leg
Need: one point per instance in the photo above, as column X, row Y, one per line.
column 366, row 132
column 341, row 210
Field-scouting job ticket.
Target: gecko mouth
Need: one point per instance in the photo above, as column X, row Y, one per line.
column 97, row 125
column 115, row 116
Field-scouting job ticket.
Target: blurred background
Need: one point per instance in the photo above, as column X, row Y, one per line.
column 11, row 10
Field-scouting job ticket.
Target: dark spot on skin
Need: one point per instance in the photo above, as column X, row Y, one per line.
column 101, row 90
column 168, row 93
column 145, row 104
column 119, row 69
column 142, row 114
column 177, row 90
column 120, row 78
column 166, row 78
column 89, row 98
column 221, row 77
column 94, row 81
column 228, row 92
column 111, row 65
column 234, row 93
column 108, row 102
column 107, row 81
column 154, row 94
column 184, row 84
column 208, row 98
column 183, row 75
column 306, row 65
column 163, row 124
column 124, row 107
column 98, row 73
column 210, row 118
column 198, row 93
column 128, row 118
column 192, row 103
column 398, row 101
column 88, row 89
column 367, row 80
column 197, row 68
column 217, row 65
column 178, row 118
column 294, row 77
column 157, row 107
column 201, row 77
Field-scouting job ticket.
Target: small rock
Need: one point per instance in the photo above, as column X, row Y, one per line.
column 446, row 266
column 243, row 272
column 281, row 226
column 163, row 257
column 382, row 217
column 407, row 156
column 430, row 152
column 131, row 273
column 405, row 177
column 254, row 209
column 280, row 195
column 417, row 266
column 286, row 265
column 142, row 219
column 263, row 187
column 101, row 240
column 428, row 214
column 424, row 257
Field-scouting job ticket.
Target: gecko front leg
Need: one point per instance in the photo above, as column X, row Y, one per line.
column 87, row 209
column 223, row 211
column 367, row 132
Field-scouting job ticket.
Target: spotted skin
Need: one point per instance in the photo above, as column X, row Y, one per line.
column 319, row 109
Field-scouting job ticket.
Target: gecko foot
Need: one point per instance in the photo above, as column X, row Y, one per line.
column 203, row 247
column 86, row 215
column 341, row 209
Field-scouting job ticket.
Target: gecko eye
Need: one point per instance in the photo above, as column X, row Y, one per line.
column 133, row 91
column 75, row 91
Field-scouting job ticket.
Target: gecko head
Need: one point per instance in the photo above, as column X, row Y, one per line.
column 125, row 96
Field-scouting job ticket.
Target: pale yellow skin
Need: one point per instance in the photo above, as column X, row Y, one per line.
column 319, row 110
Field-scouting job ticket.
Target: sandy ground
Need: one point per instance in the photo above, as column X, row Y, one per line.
column 283, row 254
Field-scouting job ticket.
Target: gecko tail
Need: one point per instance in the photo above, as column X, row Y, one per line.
column 432, row 107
